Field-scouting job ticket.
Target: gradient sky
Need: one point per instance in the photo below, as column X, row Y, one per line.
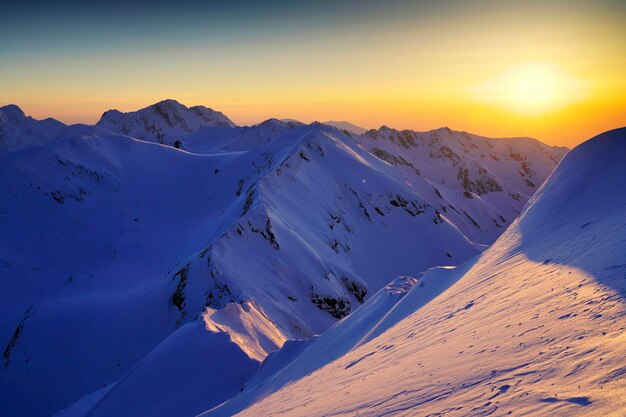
column 552, row 70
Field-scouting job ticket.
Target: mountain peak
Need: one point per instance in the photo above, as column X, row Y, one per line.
column 169, row 105
column 589, row 177
column 13, row 111
column 615, row 138
column 164, row 122
column 169, row 101
column 273, row 120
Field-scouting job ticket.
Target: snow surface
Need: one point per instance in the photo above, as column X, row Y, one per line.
column 114, row 250
column 194, row 371
column 533, row 326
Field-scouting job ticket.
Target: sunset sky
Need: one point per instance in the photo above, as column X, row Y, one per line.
column 551, row 70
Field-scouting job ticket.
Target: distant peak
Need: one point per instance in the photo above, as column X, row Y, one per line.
column 280, row 122
column 273, row 120
column 168, row 102
column 163, row 122
column 13, row 110
column 111, row 112
column 164, row 106
column 291, row 121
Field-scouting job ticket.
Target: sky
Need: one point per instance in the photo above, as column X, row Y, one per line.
column 553, row 70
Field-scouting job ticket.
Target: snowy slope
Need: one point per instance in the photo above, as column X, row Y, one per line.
column 164, row 122
column 188, row 372
column 300, row 358
column 95, row 282
column 18, row 131
column 534, row 326
column 480, row 183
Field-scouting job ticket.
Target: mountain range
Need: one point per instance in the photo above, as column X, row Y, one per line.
column 137, row 251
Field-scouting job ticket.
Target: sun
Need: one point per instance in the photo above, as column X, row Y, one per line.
column 531, row 88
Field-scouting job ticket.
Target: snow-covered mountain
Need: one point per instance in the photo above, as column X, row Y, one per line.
column 533, row 326
column 130, row 245
column 499, row 175
column 18, row 131
column 164, row 122
column 244, row 238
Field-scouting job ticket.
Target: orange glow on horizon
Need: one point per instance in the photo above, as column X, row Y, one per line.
column 504, row 72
